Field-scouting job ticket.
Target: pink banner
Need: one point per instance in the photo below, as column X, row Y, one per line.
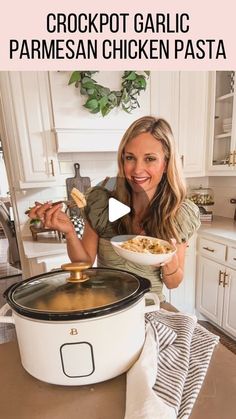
column 157, row 35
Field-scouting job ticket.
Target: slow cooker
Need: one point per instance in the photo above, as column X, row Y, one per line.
column 79, row 328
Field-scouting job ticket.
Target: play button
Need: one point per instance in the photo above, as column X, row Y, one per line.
column 116, row 209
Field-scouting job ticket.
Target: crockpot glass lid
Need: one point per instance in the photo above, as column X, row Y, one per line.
column 54, row 293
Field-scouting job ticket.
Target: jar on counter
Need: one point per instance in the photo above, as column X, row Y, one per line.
column 202, row 196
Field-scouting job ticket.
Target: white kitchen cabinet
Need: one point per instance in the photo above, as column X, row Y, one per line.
column 182, row 99
column 27, row 135
column 222, row 129
column 216, row 284
column 42, row 264
column 165, row 98
column 210, row 293
column 229, row 313
column 183, row 297
column 192, row 133
column 43, row 255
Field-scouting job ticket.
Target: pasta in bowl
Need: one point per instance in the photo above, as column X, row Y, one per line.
column 144, row 250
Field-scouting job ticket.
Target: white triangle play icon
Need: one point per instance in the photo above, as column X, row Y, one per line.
column 116, row 209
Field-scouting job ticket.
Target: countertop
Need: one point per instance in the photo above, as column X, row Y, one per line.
column 48, row 245
column 24, row 397
column 45, row 245
column 220, row 228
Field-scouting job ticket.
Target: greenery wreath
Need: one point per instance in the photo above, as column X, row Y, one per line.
column 102, row 99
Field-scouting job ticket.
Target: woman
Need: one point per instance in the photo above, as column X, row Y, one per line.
column 150, row 182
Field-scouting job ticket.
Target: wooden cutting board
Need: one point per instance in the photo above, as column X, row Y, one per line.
column 78, row 182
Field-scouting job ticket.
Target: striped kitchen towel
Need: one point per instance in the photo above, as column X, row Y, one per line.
column 165, row 381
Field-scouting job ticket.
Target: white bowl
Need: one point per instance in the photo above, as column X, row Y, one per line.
column 138, row 257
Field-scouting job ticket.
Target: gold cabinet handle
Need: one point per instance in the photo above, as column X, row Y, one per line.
column 226, row 283
column 209, row 249
column 220, row 277
column 234, row 157
column 52, row 167
column 231, row 159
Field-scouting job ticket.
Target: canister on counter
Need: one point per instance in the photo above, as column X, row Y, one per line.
column 204, row 199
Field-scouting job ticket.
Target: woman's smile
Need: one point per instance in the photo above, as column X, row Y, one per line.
column 140, row 179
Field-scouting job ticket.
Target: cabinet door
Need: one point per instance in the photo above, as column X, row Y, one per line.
column 27, row 120
column 210, row 291
column 40, row 265
column 222, row 119
column 183, row 297
column 193, row 121
column 165, row 98
column 229, row 316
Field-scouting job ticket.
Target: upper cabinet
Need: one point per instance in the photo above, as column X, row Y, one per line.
column 182, row 99
column 165, row 97
column 192, row 134
column 27, row 136
column 222, row 129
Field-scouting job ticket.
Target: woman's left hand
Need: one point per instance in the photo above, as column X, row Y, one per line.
column 173, row 243
column 173, row 269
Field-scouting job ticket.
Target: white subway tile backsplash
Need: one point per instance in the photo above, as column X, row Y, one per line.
column 225, row 209
column 196, row 183
column 222, row 205
column 193, row 183
column 66, row 167
column 96, row 156
column 91, row 164
column 224, row 188
column 65, row 156
column 225, row 181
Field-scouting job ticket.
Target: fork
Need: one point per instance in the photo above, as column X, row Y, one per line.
column 69, row 203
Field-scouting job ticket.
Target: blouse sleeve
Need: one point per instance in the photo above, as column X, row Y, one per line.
column 187, row 220
column 96, row 210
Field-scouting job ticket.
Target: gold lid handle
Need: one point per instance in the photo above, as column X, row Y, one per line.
column 76, row 271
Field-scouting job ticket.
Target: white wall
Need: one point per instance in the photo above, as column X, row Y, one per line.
column 95, row 165
column 224, row 189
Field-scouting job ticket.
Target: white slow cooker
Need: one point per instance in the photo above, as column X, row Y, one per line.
column 79, row 329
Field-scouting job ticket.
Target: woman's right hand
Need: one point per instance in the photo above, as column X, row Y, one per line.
column 52, row 217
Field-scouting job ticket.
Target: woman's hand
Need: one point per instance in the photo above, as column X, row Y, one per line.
column 52, row 217
column 173, row 270
column 173, row 243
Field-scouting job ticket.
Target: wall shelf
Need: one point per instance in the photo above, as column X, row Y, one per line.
column 228, row 96
column 224, row 135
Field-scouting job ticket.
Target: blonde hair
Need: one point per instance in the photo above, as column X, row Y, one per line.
column 171, row 191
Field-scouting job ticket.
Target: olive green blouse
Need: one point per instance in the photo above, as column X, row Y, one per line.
column 96, row 213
